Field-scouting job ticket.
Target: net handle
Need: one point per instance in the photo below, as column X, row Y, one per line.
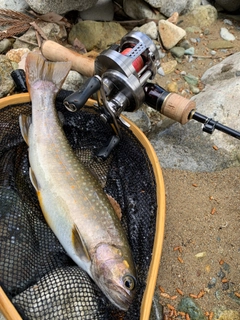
column 160, row 222
column 7, row 308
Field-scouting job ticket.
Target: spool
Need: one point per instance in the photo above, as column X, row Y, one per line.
column 138, row 63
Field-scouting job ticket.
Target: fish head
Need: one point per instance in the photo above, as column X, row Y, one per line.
column 115, row 275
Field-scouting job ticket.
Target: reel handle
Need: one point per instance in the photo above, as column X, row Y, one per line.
column 77, row 100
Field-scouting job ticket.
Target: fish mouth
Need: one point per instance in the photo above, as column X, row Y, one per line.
column 120, row 297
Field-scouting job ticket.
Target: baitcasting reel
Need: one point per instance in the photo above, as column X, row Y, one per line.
column 122, row 75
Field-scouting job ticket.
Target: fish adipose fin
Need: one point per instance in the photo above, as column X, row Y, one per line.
column 24, row 123
column 79, row 245
column 38, row 68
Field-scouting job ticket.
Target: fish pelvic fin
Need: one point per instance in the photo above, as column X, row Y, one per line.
column 39, row 69
column 79, row 245
column 24, row 123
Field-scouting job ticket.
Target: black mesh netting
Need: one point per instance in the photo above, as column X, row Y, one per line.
column 36, row 273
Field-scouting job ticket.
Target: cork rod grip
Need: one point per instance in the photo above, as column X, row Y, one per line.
column 177, row 107
column 54, row 51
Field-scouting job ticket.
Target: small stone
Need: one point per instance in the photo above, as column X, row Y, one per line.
column 213, row 52
column 190, row 79
column 193, row 40
column 206, row 32
column 218, row 294
column 189, row 306
column 150, row 29
column 161, row 71
column 220, row 44
column 229, row 315
column 225, row 286
column 172, row 87
column 15, row 55
column 226, row 267
column 226, row 35
column 185, row 44
column 201, row 254
column 5, row 45
column 189, row 51
column 221, row 274
column 169, row 67
column 174, row 18
column 170, row 33
column 177, row 52
column 227, row 21
column 212, row 283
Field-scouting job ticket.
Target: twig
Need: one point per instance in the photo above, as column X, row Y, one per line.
column 28, row 42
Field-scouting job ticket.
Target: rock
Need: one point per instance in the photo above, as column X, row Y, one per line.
column 59, row 6
column 15, row 55
column 15, row 5
column 172, row 87
column 226, row 69
column 220, row 44
column 169, row 66
column 226, row 35
column 5, row 45
column 185, row 44
column 189, row 306
column 177, row 52
column 190, row 51
column 170, row 34
column 6, row 82
column 96, row 35
column 229, row 315
column 149, row 29
column 53, row 32
column 191, row 80
column 102, row 11
column 140, row 118
column 155, row 3
column 73, row 81
column 140, row 10
column 202, row 17
column 181, row 6
column 174, row 18
column 232, row 5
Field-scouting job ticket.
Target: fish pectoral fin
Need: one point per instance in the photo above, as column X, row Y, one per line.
column 79, row 244
column 116, row 206
column 24, row 123
column 33, row 179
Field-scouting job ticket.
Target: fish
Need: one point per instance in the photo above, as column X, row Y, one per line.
column 73, row 202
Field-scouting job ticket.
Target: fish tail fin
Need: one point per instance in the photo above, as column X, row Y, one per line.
column 39, row 69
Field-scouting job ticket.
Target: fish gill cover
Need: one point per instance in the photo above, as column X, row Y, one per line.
column 38, row 276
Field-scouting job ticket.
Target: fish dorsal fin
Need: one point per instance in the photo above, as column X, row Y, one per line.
column 79, row 244
column 24, row 123
column 38, row 68
column 33, row 179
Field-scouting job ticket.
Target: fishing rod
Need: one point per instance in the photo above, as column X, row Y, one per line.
column 122, row 76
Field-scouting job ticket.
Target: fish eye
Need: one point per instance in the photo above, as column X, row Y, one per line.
column 129, row 282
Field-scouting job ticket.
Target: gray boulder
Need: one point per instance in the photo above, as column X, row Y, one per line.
column 59, row 6
column 15, row 5
column 232, row 5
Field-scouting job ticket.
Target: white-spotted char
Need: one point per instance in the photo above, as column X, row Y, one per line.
column 72, row 200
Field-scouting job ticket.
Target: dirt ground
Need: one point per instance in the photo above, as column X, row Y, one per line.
column 202, row 215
